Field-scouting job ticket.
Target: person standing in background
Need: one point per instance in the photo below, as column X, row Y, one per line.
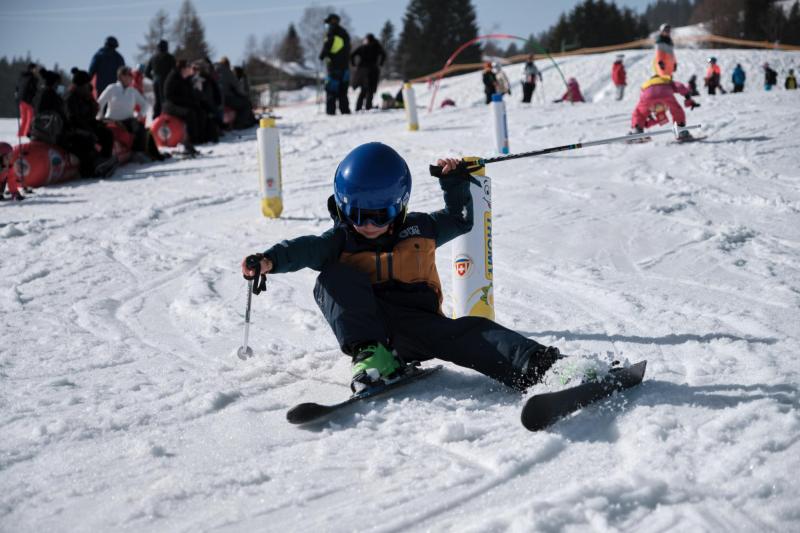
column 158, row 68
column 618, row 76
column 336, row 55
column 368, row 60
column 529, row 75
column 105, row 64
column 27, row 85
column 738, row 77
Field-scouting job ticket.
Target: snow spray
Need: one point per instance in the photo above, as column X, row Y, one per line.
column 500, row 123
column 410, row 103
column 269, row 168
column 473, row 293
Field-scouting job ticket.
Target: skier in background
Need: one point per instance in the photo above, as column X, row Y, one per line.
column 529, row 75
column 713, row 77
column 618, row 76
column 658, row 97
column 336, row 55
column 770, row 77
column 791, row 82
column 572, row 94
column 378, row 286
column 489, row 82
column 738, row 78
column 105, row 64
column 664, row 62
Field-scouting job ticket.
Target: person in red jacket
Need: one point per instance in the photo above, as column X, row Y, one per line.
column 658, row 96
column 618, row 76
column 572, row 94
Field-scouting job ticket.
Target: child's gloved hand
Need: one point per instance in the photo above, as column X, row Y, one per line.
column 255, row 264
column 691, row 104
column 448, row 164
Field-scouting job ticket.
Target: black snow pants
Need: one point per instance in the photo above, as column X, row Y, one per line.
column 410, row 323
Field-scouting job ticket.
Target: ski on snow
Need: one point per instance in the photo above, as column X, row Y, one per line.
column 544, row 409
column 306, row 413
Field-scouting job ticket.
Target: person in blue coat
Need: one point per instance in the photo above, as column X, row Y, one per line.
column 738, row 78
column 105, row 63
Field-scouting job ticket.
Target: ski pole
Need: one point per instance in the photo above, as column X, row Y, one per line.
column 244, row 350
column 436, row 170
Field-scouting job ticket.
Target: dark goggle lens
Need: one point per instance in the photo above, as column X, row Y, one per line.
column 378, row 217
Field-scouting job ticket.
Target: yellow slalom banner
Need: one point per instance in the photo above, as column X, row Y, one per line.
column 269, row 168
column 473, row 271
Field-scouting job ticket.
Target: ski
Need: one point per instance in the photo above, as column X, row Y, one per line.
column 306, row 413
column 689, row 139
column 544, row 409
column 640, row 140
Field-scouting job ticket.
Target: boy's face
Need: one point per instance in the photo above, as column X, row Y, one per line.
column 370, row 230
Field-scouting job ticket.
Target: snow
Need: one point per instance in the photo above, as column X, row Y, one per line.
column 123, row 406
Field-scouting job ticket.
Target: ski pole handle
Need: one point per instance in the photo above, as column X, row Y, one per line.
column 463, row 169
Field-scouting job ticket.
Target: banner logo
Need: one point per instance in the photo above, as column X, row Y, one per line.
column 463, row 265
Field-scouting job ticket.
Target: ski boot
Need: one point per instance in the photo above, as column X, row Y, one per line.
column 681, row 134
column 538, row 364
column 373, row 364
column 640, row 140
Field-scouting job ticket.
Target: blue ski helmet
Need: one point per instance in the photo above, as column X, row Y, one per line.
column 372, row 184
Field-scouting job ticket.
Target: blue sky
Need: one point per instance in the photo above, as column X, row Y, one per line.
column 70, row 32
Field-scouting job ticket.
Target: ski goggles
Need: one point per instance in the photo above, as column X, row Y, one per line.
column 377, row 217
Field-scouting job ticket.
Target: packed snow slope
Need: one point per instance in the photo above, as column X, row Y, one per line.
column 123, row 406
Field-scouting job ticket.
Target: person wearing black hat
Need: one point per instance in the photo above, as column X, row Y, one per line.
column 336, row 55
column 368, row 60
column 84, row 131
column 181, row 101
column 27, row 85
column 158, row 68
column 105, row 64
column 48, row 108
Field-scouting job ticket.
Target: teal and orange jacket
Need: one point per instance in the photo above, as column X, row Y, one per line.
column 405, row 257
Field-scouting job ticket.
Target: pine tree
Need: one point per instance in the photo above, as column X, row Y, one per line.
column 290, row 50
column 432, row 31
column 389, row 44
column 190, row 34
column 158, row 30
column 791, row 31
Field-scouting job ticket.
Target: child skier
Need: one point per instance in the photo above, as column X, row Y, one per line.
column 658, row 96
column 378, row 287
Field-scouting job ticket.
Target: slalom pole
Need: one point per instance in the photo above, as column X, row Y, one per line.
column 471, row 166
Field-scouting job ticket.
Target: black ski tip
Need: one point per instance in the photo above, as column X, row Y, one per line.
column 302, row 413
column 542, row 410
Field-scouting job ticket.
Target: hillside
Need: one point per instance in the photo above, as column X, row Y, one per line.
column 123, row 406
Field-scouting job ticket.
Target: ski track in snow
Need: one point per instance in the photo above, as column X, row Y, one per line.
column 123, row 406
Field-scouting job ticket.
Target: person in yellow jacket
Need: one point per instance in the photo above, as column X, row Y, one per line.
column 336, row 55
column 791, row 82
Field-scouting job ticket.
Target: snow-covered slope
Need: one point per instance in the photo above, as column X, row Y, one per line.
column 123, row 406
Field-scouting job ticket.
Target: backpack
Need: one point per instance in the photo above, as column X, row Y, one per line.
column 47, row 127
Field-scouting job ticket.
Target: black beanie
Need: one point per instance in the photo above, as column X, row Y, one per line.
column 80, row 77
